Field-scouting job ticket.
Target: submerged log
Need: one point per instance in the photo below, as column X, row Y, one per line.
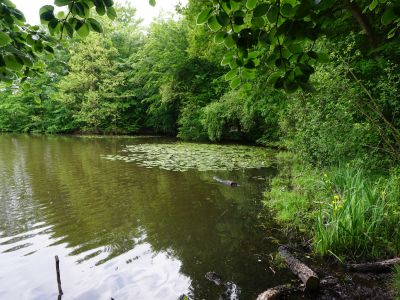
column 375, row 267
column 306, row 275
column 226, row 182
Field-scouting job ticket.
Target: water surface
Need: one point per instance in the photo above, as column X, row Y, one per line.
column 128, row 228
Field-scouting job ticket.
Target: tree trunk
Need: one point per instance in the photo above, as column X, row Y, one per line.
column 363, row 22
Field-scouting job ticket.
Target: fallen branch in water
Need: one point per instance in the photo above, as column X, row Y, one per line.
column 286, row 290
column 226, row 182
column 60, row 292
column 375, row 267
column 301, row 270
column 278, row 292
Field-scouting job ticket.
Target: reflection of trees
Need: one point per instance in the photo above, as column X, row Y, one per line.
column 17, row 212
column 99, row 204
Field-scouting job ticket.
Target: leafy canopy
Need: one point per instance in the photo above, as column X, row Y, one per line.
column 20, row 43
column 284, row 34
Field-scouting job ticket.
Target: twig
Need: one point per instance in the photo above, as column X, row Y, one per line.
column 60, row 292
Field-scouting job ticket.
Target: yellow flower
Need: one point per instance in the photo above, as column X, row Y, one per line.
column 336, row 197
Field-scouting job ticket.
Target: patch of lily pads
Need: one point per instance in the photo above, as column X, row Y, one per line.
column 203, row 157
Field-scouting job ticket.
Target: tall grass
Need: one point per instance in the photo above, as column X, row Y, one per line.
column 359, row 217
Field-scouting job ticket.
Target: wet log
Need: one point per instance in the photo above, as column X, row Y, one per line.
column 278, row 292
column 375, row 267
column 306, row 275
column 226, row 182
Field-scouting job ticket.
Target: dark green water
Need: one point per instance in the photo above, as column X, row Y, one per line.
column 122, row 229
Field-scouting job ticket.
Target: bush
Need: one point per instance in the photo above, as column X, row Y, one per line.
column 335, row 123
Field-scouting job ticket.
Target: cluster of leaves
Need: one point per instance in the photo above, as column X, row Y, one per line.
column 77, row 18
column 282, row 33
column 19, row 44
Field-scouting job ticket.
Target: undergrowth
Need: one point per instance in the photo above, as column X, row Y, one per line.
column 347, row 213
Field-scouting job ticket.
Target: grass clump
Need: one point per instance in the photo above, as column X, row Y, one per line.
column 293, row 193
column 360, row 216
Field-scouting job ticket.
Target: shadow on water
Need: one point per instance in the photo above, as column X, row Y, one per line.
column 126, row 230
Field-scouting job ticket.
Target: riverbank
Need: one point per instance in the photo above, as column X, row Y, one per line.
column 344, row 213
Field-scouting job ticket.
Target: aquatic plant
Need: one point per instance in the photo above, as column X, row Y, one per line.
column 203, row 157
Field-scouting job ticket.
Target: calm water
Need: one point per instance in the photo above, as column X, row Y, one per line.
column 123, row 230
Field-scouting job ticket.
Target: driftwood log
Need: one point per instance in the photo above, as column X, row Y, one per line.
column 286, row 290
column 278, row 292
column 226, row 182
column 375, row 267
column 306, row 275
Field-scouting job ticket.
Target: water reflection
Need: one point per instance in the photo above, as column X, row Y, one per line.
column 122, row 230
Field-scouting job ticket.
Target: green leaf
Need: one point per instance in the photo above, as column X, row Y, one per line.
column 4, row 39
column 152, row 2
column 203, row 16
column 272, row 14
column 95, row 25
column 247, row 86
column 49, row 49
column 100, row 7
column 251, row 4
column 273, row 77
column 323, row 57
column 248, row 73
column 213, row 23
column 235, row 82
column 258, row 22
column 84, row 30
column 287, row 10
column 220, row 37
column 223, row 19
column 231, row 74
column 228, row 57
column 388, row 16
column 373, row 5
column 47, row 13
column 229, row 41
column 108, row 3
column 12, row 62
column 61, row 2
column 68, row 29
column 261, row 10
column 111, row 13
column 290, row 86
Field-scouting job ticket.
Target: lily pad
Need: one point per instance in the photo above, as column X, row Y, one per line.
column 203, row 157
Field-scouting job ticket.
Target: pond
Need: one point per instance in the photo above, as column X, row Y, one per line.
column 132, row 218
